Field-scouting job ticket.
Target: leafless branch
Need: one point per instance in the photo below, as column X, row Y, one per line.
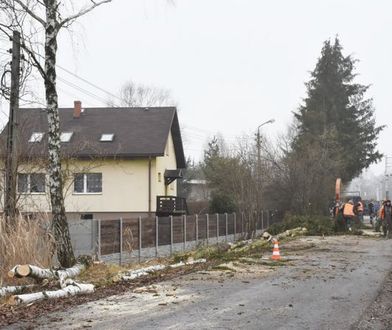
column 67, row 21
column 30, row 12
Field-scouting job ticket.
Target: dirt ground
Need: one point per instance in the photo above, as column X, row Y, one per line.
column 338, row 282
column 379, row 314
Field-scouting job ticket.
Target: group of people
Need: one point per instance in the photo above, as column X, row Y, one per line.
column 352, row 211
column 380, row 214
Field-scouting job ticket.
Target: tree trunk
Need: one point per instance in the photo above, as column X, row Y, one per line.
column 72, row 288
column 14, row 289
column 65, row 253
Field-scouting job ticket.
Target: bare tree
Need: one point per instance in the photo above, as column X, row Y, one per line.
column 139, row 95
column 31, row 18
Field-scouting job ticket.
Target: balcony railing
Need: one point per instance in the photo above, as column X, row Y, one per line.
column 171, row 205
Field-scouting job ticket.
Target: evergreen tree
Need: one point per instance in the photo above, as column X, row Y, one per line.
column 219, row 170
column 336, row 107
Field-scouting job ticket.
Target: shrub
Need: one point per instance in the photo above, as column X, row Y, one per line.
column 221, row 203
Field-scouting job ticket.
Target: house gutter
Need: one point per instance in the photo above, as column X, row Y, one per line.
column 149, row 184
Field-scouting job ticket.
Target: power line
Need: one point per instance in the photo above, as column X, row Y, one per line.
column 85, row 80
column 89, row 83
column 81, row 89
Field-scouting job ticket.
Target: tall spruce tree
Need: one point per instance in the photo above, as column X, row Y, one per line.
column 336, row 107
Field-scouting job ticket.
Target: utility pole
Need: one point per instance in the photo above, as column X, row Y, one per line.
column 258, row 170
column 12, row 136
column 258, row 142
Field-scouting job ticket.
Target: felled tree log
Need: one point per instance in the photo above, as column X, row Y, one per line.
column 132, row 274
column 189, row 262
column 14, row 289
column 31, row 271
column 71, row 288
column 292, row 232
column 45, row 273
column 72, row 272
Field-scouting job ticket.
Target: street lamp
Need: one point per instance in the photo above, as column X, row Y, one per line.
column 258, row 136
column 259, row 158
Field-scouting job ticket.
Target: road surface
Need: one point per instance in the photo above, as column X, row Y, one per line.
column 326, row 284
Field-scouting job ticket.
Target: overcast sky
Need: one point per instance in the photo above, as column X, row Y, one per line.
column 231, row 65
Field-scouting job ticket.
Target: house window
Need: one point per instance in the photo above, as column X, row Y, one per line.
column 86, row 216
column 66, row 136
column 36, row 137
column 31, row 183
column 107, row 137
column 85, row 183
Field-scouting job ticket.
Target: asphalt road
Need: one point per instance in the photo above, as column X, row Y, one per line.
column 328, row 284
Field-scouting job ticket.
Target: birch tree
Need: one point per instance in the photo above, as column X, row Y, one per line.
column 40, row 22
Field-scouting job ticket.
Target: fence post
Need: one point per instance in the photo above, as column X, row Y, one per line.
column 227, row 225
column 121, row 240
column 217, row 227
column 251, row 225
column 242, row 223
column 156, row 236
column 268, row 218
column 197, row 228
column 93, row 236
column 171, row 235
column 140, row 237
column 99, row 239
column 235, row 224
column 208, row 227
column 262, row 220
column 184, row 227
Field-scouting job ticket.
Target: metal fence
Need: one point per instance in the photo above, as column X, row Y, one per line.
column 126, row 240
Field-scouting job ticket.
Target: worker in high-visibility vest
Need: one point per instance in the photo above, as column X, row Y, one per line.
column 386, row 218
column 348, row 214
column 359, row 210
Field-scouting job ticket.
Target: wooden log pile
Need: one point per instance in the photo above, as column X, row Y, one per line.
column 68, row 287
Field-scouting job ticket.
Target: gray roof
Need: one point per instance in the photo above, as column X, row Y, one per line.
column 138, row 132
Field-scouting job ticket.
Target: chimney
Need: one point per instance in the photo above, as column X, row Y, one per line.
column 77, row 109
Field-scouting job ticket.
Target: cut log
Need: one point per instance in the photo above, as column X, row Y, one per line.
column 187, row 263
column 23, row 270
column 45, row 273
column 72, row 272
column 179, row 264
column 292, row 232
column 14, row 289
column 11, row 273
column 31, row 271
column 132, row 274
column 71, row 288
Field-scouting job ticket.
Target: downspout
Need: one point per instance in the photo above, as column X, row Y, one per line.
column 149, row 184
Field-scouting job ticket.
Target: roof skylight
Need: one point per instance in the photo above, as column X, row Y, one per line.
column 66, row 136
column 107, row 137
column 36, row 137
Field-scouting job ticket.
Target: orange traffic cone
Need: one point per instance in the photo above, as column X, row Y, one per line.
column 275, row 251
